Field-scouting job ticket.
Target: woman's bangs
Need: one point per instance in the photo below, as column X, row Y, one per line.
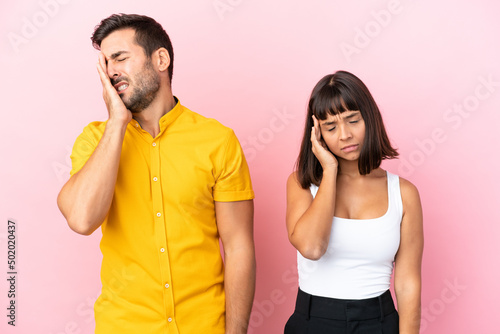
column 333, row 102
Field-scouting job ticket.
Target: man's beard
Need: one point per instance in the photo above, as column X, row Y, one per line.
column 146, row 86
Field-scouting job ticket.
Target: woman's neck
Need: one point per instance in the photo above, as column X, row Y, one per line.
column 349, row 168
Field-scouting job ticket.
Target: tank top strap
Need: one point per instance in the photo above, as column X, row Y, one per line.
column 395, row 200
column 314, row 189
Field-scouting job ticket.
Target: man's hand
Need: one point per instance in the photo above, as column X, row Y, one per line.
column 86, row 198
column 116, row 108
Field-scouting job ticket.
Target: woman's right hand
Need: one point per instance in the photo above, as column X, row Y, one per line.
column 320, row 149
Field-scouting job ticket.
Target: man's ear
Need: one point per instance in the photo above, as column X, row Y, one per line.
column 163, row 59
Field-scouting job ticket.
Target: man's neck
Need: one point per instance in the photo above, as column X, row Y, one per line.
column 149, row 118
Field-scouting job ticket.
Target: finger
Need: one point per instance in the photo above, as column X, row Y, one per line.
column 314, row 139
column 316, row 127
column 102, row 61
column 316, row 145
column 315, row 121
column 101, row 68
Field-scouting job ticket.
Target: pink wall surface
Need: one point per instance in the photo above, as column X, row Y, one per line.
column 432, row 66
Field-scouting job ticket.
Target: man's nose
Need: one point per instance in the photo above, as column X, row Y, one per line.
column 113, row 71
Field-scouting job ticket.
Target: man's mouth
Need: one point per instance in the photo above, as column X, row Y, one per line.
column 121, row 86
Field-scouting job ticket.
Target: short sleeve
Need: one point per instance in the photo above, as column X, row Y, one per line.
column 84, row 146
column 233, row 181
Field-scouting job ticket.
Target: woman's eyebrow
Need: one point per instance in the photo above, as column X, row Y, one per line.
column 351, row 115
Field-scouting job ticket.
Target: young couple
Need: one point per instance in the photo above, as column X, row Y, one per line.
column 165, row 183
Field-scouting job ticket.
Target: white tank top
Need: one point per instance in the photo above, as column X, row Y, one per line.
column 359, row 260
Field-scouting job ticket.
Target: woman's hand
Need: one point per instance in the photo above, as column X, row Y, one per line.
column 319, row 148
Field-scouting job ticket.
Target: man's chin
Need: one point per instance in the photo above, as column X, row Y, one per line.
column 133, row 109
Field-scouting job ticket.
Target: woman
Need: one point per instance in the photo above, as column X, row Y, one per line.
column 351, row 221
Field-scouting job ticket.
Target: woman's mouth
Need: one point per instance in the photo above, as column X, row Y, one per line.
column 350, row 148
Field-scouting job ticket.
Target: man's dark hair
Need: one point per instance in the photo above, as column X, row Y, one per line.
column 332, row 95
column 149, row 34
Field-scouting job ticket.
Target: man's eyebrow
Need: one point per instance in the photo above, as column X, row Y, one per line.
column 117, row 54
column 351, row 115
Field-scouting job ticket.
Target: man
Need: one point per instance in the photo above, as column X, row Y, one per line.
column 163, row 183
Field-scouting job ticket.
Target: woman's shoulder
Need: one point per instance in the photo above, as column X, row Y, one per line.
column 407, row 187
column 293, row 177
column 293, row 184
column 409, row 194
column 293, row 181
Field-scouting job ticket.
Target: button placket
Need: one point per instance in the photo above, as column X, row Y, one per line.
column 160, row 231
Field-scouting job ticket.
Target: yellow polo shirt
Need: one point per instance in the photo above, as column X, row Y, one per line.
column 162, row 271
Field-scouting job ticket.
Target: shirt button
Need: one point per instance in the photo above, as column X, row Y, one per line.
column 169, row 319
column 154, row 144
column 136, row 125
column 162, row 250
column 158, row 214
column 155, row 179
column 167, row 286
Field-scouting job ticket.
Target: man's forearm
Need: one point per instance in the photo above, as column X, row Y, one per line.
column 240, row 288
column 86, row 198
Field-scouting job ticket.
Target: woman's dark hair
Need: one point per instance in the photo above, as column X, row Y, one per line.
column 149, row 34
column 334, row 94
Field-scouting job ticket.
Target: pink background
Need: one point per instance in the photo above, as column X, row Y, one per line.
column 252, row 66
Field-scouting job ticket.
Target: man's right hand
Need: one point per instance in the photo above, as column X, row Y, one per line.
column 116, row 108
column 86, row 198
